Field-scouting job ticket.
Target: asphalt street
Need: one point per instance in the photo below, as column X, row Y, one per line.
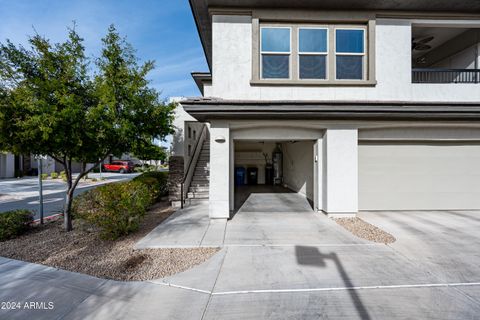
column 23, row 193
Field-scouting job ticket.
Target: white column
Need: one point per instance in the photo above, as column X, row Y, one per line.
column 219, row 203
column 340, row 172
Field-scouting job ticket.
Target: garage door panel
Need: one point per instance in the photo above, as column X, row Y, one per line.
column 434, row 176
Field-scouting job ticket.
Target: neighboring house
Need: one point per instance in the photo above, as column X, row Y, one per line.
column 7, row 165
column 375, row 105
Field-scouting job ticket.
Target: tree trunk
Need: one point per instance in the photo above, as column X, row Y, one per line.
column 67, row 216
column 71, row 186
column 67, row 212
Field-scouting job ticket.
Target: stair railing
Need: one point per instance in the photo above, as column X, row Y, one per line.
column 191, row 164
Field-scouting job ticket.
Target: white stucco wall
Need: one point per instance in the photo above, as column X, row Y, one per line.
column 340, row 172
column 178, row 138
column 220, row 171
column 298, row 167
column 232, row 69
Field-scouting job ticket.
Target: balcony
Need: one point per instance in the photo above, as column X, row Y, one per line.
column 439, row 75
column 443, row 54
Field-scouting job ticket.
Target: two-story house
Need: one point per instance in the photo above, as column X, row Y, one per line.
column 360, row 105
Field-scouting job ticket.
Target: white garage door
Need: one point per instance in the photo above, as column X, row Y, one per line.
column 419, row 176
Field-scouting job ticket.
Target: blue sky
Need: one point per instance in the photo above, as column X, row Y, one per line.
column 160, row 30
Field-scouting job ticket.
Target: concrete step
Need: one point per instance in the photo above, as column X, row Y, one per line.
column 201, row 178
column 198, row 189
column 199, row 184
column 202, row 195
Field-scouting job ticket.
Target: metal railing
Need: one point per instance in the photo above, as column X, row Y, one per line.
column 187, row 177
column 436, row 75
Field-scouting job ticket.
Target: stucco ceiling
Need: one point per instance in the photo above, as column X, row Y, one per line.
column 440, row 36
column 202, row 18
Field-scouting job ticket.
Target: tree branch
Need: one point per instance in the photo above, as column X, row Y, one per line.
column 85, row 172
column 57, row 159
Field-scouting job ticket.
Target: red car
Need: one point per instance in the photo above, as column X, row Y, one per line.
column 121, row 166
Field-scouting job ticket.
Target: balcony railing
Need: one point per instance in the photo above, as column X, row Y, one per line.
column 433, row 75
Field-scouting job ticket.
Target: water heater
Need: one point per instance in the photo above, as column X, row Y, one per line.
column 277, row 159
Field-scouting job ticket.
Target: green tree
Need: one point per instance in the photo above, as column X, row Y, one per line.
column 52, row 103
column 150, row 152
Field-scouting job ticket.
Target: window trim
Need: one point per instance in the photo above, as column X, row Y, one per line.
column 280, row 53
column 364, row 54
column 367, row 23
column 326, row 53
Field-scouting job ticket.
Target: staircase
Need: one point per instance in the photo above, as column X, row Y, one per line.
column 201, row 177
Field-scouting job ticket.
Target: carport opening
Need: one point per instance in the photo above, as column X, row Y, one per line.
column 273, row 167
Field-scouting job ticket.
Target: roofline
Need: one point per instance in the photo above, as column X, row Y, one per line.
column 331, row 110
column 200, row 78
column 205, row 52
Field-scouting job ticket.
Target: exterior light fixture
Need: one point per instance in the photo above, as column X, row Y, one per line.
column 220, row 139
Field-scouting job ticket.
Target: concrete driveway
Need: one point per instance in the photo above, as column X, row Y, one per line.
column 431, row 272
column 446, row 243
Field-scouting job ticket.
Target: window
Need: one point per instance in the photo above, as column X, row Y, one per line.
column 189, row 133
column 275, row 53
column 349, row 54
column 312, row 53
column 194, row 135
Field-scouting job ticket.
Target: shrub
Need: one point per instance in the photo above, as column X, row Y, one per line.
column 156, row 181
column 116, row 208
column 44, row 176
column 14, row 223
column 54, row 175
column 63, row 175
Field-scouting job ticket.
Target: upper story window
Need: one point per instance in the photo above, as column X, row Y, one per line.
column 275, row 52
column 313, row 54
column 349, row 54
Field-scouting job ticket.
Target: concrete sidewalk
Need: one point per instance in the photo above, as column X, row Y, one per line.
column 431, row 272
column 250, row 283
column 187, row 228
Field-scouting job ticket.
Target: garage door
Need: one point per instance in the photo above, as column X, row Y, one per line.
column 419, row 176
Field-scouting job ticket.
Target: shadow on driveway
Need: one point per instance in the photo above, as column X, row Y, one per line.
column 311, row 256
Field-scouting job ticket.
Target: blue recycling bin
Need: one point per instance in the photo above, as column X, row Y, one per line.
column 240, row 176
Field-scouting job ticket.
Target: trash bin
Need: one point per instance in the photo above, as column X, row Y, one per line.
column 252, row 176
column 239, row 176
column 269, row 175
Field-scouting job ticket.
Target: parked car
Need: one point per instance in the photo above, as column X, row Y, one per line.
column 121, row 166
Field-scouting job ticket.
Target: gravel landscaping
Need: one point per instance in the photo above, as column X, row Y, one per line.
column 83, row 251
column 365, row 230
